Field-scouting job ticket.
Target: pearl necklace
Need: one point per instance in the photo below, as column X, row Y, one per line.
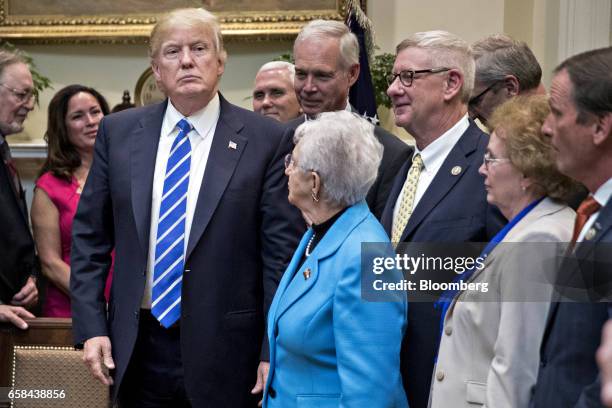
column 307, row 253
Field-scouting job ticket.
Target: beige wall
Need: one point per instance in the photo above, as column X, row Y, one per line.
column 471, row 19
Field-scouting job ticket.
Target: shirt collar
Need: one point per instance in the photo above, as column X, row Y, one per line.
column 348, row 106
column 435, row 153
column 202, row 120
column 603, row 193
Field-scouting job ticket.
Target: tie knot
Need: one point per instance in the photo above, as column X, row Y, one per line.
column 417, row 161
column 588, row 207
column 184, row 126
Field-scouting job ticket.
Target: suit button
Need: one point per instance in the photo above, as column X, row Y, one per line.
column 271, row 392
column 448, row 330
column 543, row 363
column 439, row 375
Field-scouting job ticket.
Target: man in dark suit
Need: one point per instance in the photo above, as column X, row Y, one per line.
column 192, row 196
column 326, row 57
column 438, row 196
column 19, row 264
column 580, row 125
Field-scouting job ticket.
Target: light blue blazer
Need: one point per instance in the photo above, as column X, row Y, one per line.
column 328, row 346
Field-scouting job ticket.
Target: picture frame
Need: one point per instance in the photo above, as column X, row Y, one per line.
column 130, row 21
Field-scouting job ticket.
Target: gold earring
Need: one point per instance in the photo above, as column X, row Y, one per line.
column 315, row 197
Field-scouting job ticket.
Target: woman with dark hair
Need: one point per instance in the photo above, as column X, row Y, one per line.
column 74, row 115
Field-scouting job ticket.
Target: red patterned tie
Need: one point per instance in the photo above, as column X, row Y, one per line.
column 587, row 208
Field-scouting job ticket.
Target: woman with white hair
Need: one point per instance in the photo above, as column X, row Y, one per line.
column 328, row 346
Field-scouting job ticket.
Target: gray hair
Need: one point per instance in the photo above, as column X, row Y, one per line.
column 445, row 50
column 499, row 55
column 341, row 147
column 279, row 65
column 186, row 17
column 325, row 29
column 9, row 58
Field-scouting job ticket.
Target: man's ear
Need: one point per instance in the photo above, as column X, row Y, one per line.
column 155, row 69
column 353, row 74
column 602, row 129
column 512, row 86
column 453, row 84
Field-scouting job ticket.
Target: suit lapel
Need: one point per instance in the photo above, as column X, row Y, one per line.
column 602, row 225
column 222, row 161
column 287, row 277
column 143, row 151
column 444, row 180
column 387, row 217
column 290, row 292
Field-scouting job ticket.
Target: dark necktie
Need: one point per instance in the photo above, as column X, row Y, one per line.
column 5, row 153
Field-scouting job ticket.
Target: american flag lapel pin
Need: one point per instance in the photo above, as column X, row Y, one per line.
column 232, row 145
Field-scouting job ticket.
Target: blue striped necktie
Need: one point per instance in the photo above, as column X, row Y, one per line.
column 170, row 242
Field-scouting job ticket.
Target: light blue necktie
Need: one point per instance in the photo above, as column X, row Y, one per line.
column 170, row 243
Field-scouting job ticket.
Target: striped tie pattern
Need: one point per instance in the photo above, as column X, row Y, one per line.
column 409, row 192
column 170, row 243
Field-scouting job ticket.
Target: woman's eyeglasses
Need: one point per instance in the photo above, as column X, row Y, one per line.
column 487, row 159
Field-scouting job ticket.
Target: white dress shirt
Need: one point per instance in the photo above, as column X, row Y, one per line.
column 204, row 123
column 602, row 195
column 433, row 157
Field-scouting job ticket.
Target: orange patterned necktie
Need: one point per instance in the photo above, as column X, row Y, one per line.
column 587, row 208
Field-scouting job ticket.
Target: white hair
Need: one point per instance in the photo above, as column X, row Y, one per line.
column 341, row 147
column 325, row 29
column 279, row 65
column 445, row 50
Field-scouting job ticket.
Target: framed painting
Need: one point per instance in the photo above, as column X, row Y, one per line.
column 128, row 21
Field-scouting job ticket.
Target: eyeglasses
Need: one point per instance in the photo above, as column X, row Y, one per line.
column 475, row 101
column 21, row 95
column 407, row 76
column 487, row 159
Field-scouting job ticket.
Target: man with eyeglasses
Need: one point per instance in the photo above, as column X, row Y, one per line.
column 326, row 66
column 438, row 196
column 19, row 264
column 504, row 68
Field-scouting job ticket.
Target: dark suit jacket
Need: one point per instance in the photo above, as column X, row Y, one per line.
column 395, row 155
column 568, row 374
column 453, row 209
column 243, row 234
column 17, row 253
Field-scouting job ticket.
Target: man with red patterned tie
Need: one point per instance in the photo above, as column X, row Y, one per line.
column 580, row 125
column 19, row 266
